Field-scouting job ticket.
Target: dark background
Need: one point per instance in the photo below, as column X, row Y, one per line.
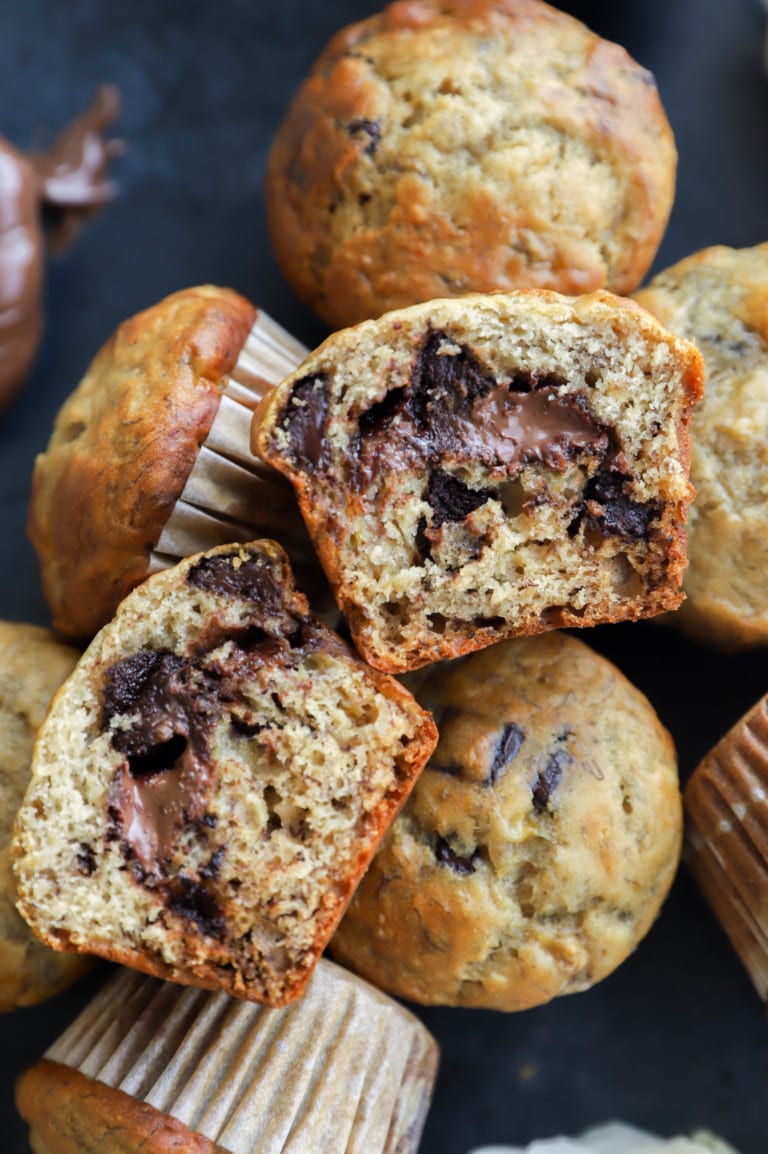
column 677, row 1037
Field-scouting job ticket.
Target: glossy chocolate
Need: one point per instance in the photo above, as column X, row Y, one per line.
column 455, row 413
column 60, row 188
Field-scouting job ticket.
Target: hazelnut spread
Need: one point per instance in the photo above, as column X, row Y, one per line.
column 55, row 190
column 454, row 412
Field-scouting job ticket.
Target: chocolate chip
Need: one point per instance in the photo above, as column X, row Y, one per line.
column 381, row 414
column 371, row 128
column 126, row 680
column 244, row 728
column 304, row 421
column 450, row 500
column 86, row 859
column 512, row 737
column 251, row 578
column 193, row 902
column 213, row 868
column 620, row 516
column 447, row 856
column 154, row 759
column 549, row 779
column 445, row 382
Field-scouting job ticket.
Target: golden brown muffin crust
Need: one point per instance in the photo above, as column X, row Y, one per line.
column 718, row 298
column 69, row 1113
column 538, row 844
column 131, row 431
column 428, row 151
column 32, row 667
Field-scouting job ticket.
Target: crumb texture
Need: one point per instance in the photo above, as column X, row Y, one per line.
column 213, row 780
column 537, row 846
column 490, row 467
column 446, row 146
column 123, row 445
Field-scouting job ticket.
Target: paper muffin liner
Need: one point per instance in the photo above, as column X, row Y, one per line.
column 230, row 495
column 726, row 803
column 343, row 1069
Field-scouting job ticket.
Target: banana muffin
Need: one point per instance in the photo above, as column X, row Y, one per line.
column 538, row 844
column 33, row 664
column 452, row 146
column 718, row 299
column 212, row 781
column 489, row 467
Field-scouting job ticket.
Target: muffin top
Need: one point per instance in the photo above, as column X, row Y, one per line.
column 122, row 447
column 537, row 845
column 718, row 298
column 32, row 667
column 444, row 146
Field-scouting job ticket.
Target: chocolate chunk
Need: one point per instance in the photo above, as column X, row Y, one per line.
column 512, row 737
column 244, row 728
column 455, row 411
column 451, row 500
column 164, row 780
column 549, row 779
column 252, row 579
column 213, row 868
column 447, row 856
column 126, row 680
column 86, row 859
column 607, row 508
column 445, row 382
column 304, row 421
column 192, row 901
column 372, row 130
column 380, row 415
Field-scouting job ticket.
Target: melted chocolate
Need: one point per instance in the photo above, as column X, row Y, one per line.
column 304, row 421
column 450, row 500
column 455, row 412
column 62, row 187
column 252, row 579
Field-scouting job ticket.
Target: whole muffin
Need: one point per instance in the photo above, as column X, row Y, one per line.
column 150, row 1068
column 32, row 667
column 445, row 146
column 538, row 844
column 149, row 458
column 718, row 298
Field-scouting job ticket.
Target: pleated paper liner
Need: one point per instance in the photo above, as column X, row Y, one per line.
column 726, row 802
column 343, row 1070
column 230, row 495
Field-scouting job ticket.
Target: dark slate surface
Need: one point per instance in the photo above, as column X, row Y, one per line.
column 676, row 1038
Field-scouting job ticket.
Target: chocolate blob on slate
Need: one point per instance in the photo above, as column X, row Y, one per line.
column 372, row 130
column 549, row 779
column 447, row 856
column 512, row 737
column 304, row 421
column 456, row 412
column 607, row 508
